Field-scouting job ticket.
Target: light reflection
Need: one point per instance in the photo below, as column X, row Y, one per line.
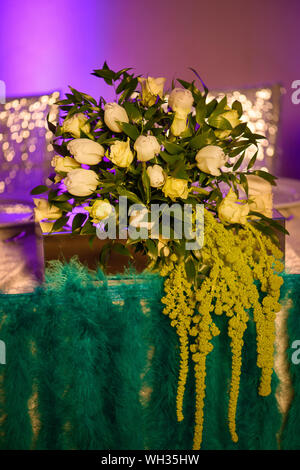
column 261, row 111
column 25, row 141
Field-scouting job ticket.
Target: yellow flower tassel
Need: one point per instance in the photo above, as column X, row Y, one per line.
column 183, row 371
column 200, row 373
column 180, row 304
column 237, row 326
column 265, row 310
column 233, row 262
column 203, row 330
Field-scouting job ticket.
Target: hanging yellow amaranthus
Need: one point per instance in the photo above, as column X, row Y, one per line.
column 241, row 283
column 180, row 306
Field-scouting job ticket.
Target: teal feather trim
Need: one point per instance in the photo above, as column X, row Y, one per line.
column 290, row 439
column 102, row 362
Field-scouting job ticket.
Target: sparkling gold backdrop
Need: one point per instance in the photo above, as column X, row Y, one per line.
column 261, row 108
column 25, row 143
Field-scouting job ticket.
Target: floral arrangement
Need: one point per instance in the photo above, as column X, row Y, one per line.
column 157, row 147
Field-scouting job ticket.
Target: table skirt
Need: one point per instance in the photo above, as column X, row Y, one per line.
column 92, row 363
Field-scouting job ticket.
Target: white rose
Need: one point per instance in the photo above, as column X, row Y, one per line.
column 113, row 112
column 151, row 88
column 139, row 218
column 210, row 158
column 44, row 210
column 64, row 164
column 181, row 101
column 262, row 203
column 121, row 154
column 100, row 210
column 179, row 125
column 230, row 211
column 74, row 124
column 86, row 151
column 258, row 185
column 156, row 175
column 260, row 193
column 81, row 182
column 175, row 187
column 146, row 147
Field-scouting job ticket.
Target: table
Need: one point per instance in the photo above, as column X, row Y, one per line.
column 91, row 363
column 292, row 215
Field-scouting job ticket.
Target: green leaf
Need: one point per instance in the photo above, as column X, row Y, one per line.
column 63, row 206
column 276, row 225
column 104, row 254
column 190, row 270
column 238, row 151
column 172, row 148
column 258, row 136
column 170, row 159
column 211, row 106
column 39, row 189
column 267, row 176
column 78, row 221
column 185, row 84
column 180, row 248
column 252, row 161
column 201, row 140
column 53, row 196
column 61, row 149
column 150, row 112
column 124, row 83
column 151, row 247
column 130, row 130
column 102, row 137
column 89, row 98
column 238, row 107
column 121, row 249
column 202, row 177
column 133, row 111
column 179, row 170
column 200, row 112
column 244, row 183
column 199, row 190
column 146, row 183
column 239, row 162
column 88, row 228
column 59, row 223
column 220, row 122
column 131, row 196
column 78, row 96
column 122, row 72
column 51, row 126
column 221, row 105
column 166, row 156
column 107, row 75
column 238, row 130
column 129, row 90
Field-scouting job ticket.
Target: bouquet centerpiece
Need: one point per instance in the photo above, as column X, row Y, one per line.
column 177, row 150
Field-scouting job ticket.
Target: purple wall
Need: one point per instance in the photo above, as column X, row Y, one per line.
column 46, row 45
